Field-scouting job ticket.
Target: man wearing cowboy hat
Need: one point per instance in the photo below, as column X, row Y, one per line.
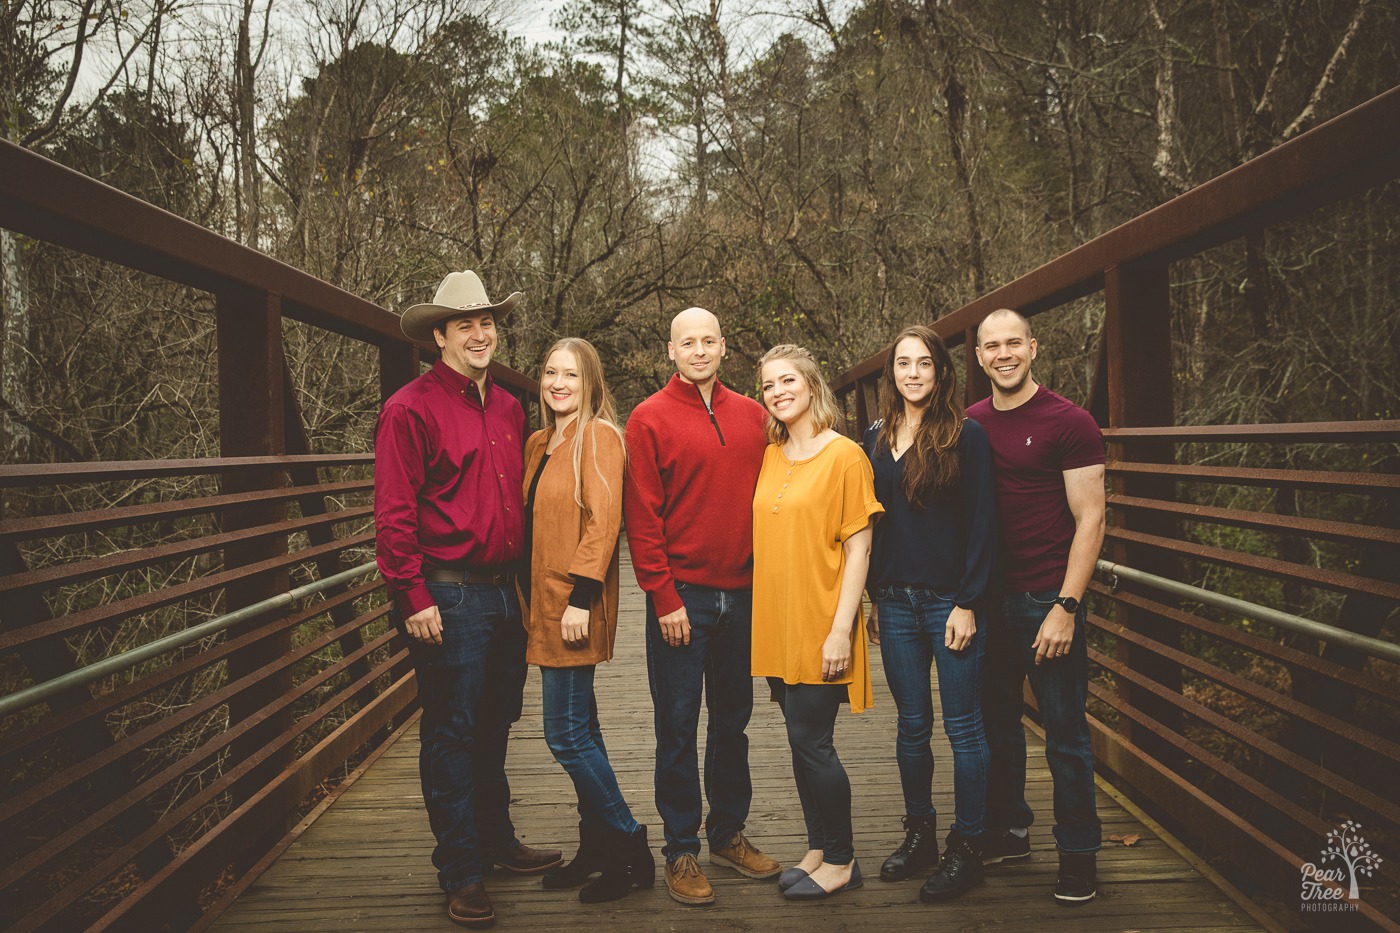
column 448, row 471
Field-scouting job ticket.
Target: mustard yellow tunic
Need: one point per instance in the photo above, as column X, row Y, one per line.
column 803, row 512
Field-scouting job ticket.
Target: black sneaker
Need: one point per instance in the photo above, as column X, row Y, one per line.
column 959, row 872
column 918, row 852
column 1078, row 881
column 1004, row 846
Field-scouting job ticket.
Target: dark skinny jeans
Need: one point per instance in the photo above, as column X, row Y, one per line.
column 822, row 785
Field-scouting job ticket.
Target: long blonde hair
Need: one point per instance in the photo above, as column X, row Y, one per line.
column 595, row 403
column 825, row 412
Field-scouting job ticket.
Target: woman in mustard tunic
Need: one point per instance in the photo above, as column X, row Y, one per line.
column 812, row 511
column 573, row 508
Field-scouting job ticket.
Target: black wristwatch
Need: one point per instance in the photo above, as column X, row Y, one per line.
column 1069, row 603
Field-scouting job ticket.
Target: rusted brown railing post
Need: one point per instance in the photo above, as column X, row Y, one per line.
column 1137, row 333
column 249, row 332
column 976, row 385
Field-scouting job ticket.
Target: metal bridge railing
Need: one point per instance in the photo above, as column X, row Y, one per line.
column 170, row 751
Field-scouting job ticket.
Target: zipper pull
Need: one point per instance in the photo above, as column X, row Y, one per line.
column 710, row 408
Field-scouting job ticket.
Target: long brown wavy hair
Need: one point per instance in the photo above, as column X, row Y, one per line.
column 932, row 462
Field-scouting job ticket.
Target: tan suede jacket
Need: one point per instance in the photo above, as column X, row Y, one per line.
column 569, row 539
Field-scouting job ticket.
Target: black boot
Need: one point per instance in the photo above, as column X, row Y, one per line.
column 627, row 860
column 640, row 860
column 588, row 860
column 960, row 871
column 1079, row 877
column 918, row 852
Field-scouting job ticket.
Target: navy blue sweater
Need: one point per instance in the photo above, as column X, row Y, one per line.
column 950, row 545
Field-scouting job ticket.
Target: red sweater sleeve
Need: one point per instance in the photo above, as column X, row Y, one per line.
column 643, row 503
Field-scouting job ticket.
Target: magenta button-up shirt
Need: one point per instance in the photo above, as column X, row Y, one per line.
column 448, row 472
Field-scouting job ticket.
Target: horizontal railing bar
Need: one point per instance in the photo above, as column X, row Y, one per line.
column 1358, row 483
column 113, row 862
column 104, row 703
column 1316, row 432
column 1349, row 153
column 1384, row 690
column 1313, row 576
column 93, row 766
column 51, row 526
column 110, row 613
column 1246, row 782
column 103, row 471
column 205, row 857
column 1346, row 532
column 135, row 558
column 1373, row 647
column 43, row 199
column 83, row 676
column 1271, row 698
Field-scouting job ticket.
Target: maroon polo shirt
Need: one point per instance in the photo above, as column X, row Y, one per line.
column 1033, row 445
column 448, row 471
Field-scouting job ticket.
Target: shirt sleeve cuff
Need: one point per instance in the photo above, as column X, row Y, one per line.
column 414, row 600
column 667, row 600
column 585, row 590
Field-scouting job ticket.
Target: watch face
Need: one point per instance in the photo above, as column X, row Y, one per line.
column 1070, row 604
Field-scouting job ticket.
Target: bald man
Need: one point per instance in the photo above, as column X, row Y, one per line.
column 694, row 452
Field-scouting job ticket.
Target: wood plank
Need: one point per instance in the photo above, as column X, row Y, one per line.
column 365, row 863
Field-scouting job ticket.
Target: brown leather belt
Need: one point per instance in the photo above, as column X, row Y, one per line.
column 469, row 576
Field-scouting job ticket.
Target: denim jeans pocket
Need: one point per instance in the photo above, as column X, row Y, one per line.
column 448, row 596
column 1045, row 598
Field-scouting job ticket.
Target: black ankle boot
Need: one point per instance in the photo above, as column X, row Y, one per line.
column 918, row 852
column 959, row 872
column 627, row 861
column 640, row 860
column 1078, row 881
column 588, row 860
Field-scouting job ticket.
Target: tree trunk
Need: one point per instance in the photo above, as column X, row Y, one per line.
column 14, row 368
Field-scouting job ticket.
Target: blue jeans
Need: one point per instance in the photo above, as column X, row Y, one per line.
column 717, row 661
column 572, row 733
column 913, row 624
column 1060, row 686
column 470, row 687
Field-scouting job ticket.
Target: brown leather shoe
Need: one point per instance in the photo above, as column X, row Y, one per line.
column 686, row 883
column 524, row 860
column 743, row 856
column 470, row 906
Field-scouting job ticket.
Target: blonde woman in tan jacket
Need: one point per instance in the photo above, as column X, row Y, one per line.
column 573, row 511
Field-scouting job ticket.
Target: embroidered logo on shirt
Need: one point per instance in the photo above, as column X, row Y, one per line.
column 1028, row 442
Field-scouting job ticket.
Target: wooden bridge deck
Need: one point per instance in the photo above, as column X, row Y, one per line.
column 364, row 863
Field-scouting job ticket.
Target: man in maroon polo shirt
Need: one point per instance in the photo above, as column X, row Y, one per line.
column 447, row 511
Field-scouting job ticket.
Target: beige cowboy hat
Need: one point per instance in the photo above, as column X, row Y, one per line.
column 459, row 293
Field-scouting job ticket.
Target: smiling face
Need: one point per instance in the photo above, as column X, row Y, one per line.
column 467, row 343
column 915, row 376
column 1005, row 349
column 786, row 394
column 562, row 385
column 696, row 345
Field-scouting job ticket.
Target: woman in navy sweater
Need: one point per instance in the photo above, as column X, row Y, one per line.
column 930, row 566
